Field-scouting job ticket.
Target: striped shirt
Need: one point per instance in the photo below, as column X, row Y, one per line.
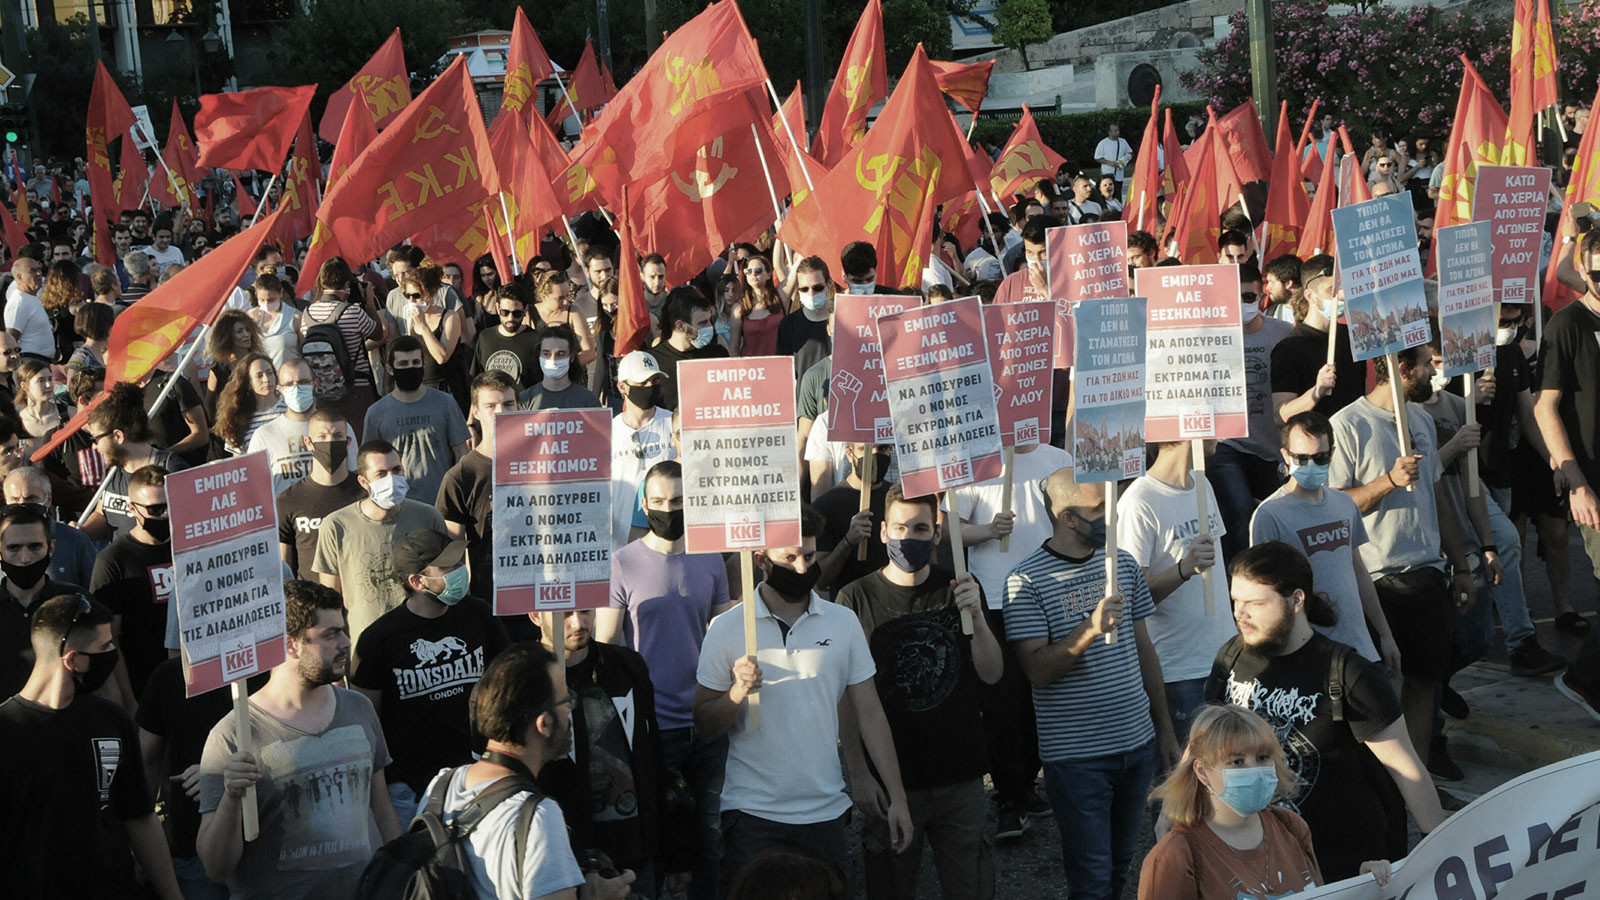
column 355, row 326
column 1099, row 707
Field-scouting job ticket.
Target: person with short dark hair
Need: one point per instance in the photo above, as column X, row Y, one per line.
column 77, row 810
column 287, row 439
column 425, row 424
column 331, row 484
column 1143, row 251
column 1031, row 282
column 26, row 550
column 466, row 495
column 134, row 578
column 1348, row 760
column 308, row 734
column 858, row 261
column 1280, row 281
column 120, row 430
column 688, row 331
column 1233, row 247
column 785, row 875
column 1302, row 378
column 512, row 346
column 417, row 662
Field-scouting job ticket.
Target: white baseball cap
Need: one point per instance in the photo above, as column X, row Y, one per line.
column 638, row 367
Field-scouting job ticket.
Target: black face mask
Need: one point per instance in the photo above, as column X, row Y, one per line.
column 880, row 466
column 408, row 379
column 1594, row 276
column 101, row 665
column 664, row 524
column 160, row 529
column 791, row 584
column 641, row 395
column 27, row 576
column 330, row 454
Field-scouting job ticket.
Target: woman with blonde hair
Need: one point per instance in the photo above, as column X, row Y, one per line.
column 1227, row 840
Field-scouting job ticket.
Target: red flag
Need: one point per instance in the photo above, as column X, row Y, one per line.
column 1144, row 190
column 966, row 83
column 297, row 203
column 250, row 129
column 1024, row 160
column 1246, row 143
column 497, row 244
column 1310, row 163
column 109, row 118
column 1318, row 234
column 14, row 236
column 174, row 184
column 188, row 153
column 1196, row 223
column 1353, row 186
column 132, row 175
column 963, row 217
column 247, row 206
column 886, row 190
column 527, row 64
column 1533, row 79
column 862, row 80
column 1476, row 139
column 431, row 162
column 1584, row 187
column 797, row 164
column 357, row 135
column 587, row 87
column 1175, row 180
column 383, row 82
column 1287, row 204
column 160, row 321
column 633, row 313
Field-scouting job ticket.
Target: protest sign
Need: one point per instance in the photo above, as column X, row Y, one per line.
column 1466, row 301
column 229, row 579
column 1020, row 350
column 1109, row 385
column 1535, row 836
column 858, row 407
column 552, row 510
column 1084, row 262
column 1513, row 200
column 941, row 396
column 1194, row 353
column 741, row 456
column 1381, row 274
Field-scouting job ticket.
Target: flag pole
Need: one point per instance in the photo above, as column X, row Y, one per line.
column 799, row 153
column 570, row 105
column 173, row 180
column 777, row 211
column 265, row 196
column 516, row 268
column 999, row 254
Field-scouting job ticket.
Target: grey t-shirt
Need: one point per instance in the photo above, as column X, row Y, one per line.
column 1264, row 434
column 573, row 396
column 425, row 431
column 314, row 800
column 1327, row 532
column 1403, row 530
column 360, row 553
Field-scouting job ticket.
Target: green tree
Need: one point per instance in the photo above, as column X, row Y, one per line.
column 60, row 97
column 1023, row 22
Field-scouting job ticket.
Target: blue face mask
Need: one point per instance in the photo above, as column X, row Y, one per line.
column 455, row 586
column 1096, row 537
column 910, row 554
column 704, row 338
column 1248, row 791
column 1309, row 476
column 298, row 397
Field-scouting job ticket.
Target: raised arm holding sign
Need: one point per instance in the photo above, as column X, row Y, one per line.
column 858, row 408
column 1466, row 315
column 1020, row 350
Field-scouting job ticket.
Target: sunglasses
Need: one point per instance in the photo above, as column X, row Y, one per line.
column 96, row 438
column 84, row 608
column 1248, row 296
column 153, row 510
column 512, row 313
column 410, row 296
column 1305, row 459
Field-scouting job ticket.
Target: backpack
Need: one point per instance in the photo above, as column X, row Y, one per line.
column 429, row 861
column 1230, row 652
column 322, row 346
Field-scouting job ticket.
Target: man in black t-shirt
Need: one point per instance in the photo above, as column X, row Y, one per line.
column 330, row 486
column 417, row 663
column 928, row 674
column 466, row 495
column 133, row 577
column 806, row 333
column 1302, row 379
column 25, row 554
column 846, row 525
column 688, row 331
column 512, row 346
column 1568, row 411
column 75, row 810
column 1281, row 668
column 180, row 424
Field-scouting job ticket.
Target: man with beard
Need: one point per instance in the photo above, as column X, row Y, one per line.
column 308, row 735
column 1400, row 498
column 1335, row 712
column 512, row 347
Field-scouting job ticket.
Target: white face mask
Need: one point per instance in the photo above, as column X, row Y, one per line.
column 1504, row 336
column 1249, row 312
column 1440, row 382
column 298, row 397
column 814, row 300
column 1333, row 309
column 388, row 491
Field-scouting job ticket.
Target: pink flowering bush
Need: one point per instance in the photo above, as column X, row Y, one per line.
column 1398, row 69
column 1578, row 49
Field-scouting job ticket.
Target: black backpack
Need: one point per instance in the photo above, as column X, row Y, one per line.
column 429, row 861
column 322, row 346
column 1234, row 648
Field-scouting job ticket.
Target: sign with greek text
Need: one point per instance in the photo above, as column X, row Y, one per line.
column 1381, row 273
column 741, row 455
column 1513, row 200
column 1536, row 836
column 1020, row 351
column 941, row 396
column 1194, row 384
column 858, row 405
column 1085, row 261
column 1466, row 300
column 229, row 575
column 1108, row 426
column 552, row 510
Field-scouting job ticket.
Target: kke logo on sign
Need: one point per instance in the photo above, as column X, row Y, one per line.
column 555, row 595
column 239, row 660
column 746, row 532
column 883, row 431
column 1027, row 432
column 955, row 471
column 1195, row 423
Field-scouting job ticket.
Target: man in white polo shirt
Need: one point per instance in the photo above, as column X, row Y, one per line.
column 784, row 785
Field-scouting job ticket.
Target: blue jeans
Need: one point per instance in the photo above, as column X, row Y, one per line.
column 1184, row 700
column 1509, row 600
column 194, row 883
column 702, row 765
column 1099, row 805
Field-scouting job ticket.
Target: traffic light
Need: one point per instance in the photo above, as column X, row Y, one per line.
column 13, row 123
